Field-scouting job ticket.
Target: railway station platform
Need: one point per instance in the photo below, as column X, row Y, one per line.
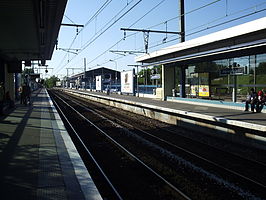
column 226, row 122
column 38, row 159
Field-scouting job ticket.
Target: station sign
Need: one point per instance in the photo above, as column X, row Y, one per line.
column 58, row 84
column 232, row 71
column 155, row 76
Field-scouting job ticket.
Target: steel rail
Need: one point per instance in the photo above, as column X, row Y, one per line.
column 124, row 149
column 200, row 157
column 178, row 147
column 87, row 150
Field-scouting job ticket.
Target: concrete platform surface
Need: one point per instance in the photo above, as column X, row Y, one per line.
column 38, row 159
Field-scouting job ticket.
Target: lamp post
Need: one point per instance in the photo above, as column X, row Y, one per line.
column 115, row 73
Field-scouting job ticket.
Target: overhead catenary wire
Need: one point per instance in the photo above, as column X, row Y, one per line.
column 166, row 20
column 87, row 44
column 155, row 44
column 96, row 37
column 105, row 4
column 130, row 35
column 257, row 11
column 152, row 9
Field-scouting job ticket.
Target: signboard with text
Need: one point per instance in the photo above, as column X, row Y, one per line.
column 232, row 71
column 156, row 77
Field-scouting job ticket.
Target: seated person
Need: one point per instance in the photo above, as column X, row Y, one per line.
column 260, row 100
column 251, row 99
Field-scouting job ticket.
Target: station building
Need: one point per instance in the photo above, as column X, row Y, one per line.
column 110, row 78
column 221, row 66
column 29, row 31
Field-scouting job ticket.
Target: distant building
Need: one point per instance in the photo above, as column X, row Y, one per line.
column 110, row 78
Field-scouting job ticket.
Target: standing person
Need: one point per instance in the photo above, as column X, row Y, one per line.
column 2, row 96
column 251, row 99
column 28, row 94
column 108, row 90
column 20, row 93
column 23, row 97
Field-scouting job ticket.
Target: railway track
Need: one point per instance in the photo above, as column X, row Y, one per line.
column 186, row 173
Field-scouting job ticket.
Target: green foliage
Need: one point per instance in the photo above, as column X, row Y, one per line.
column 145, row 74
column 261, row 68
column 51, row 82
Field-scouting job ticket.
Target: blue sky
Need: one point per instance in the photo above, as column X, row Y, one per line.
column 102, row 33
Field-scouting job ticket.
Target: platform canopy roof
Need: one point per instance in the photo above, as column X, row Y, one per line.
column 241, row 40
column 29, row 28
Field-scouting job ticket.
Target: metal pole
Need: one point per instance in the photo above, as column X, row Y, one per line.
column 182, row 39
column 182, row 20
column 138, row 80
column 146, row 80
column 115, row 76
column 85, row 74
column 67, row 79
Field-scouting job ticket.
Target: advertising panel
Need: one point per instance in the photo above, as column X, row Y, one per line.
column 204, row 88
column 127, row 81
column 204, row 91
column 99, row 83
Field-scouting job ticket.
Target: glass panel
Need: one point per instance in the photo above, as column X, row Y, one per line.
column 260, row 71
column 245, row 79
column 251, row 73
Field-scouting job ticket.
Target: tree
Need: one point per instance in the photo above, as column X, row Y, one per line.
column 146, row 73
column 261, row 69
column 51, row 82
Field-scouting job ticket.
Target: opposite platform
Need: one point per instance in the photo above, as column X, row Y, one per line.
column 38, row 159
column 232, row 124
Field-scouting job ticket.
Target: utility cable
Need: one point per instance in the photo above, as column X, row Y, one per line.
column 147, row 13
column 138, row 21
column 222, row 23
column 105, row 4
column 104, row 30
column 97, row 36
column 206, row 5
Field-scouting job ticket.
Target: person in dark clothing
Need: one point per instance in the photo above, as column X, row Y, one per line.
column 23, row 99
column 251, row 99
column 28, row 95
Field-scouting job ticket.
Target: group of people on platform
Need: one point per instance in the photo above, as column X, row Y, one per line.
column 256, row 100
